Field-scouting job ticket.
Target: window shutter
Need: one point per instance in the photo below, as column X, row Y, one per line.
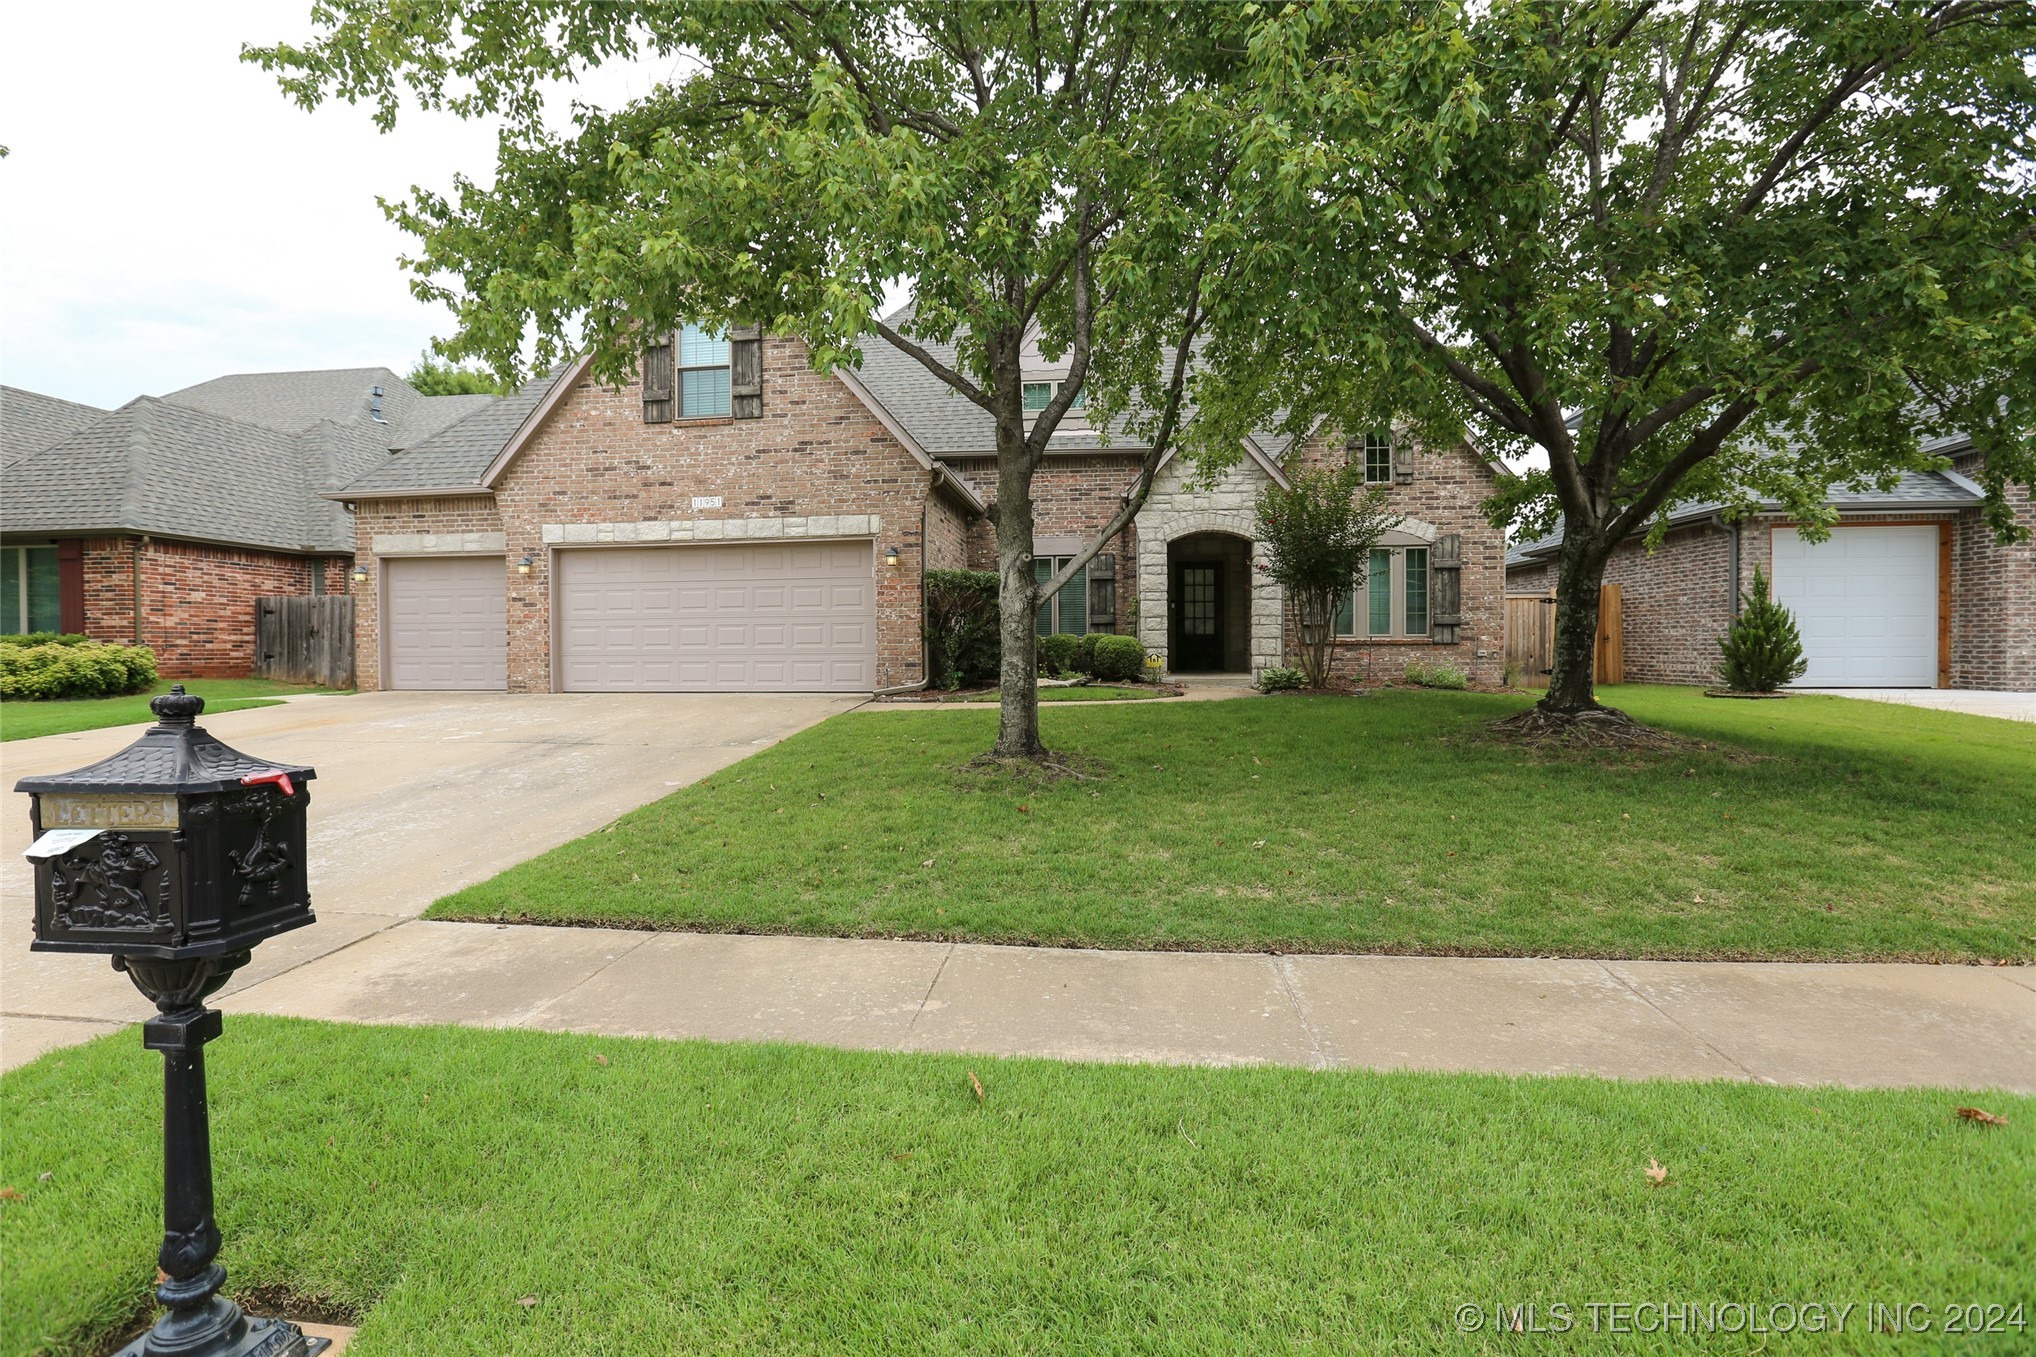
column 1445, row 588
column 658, row 379
column 1403, row 462
column 1103, row 593
column 745, row 373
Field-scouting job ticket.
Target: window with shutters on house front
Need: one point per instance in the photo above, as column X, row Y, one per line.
column 703, row 373
column 30, row 597
column 1067, row 612
column 1392, row 600
column 1378, row 459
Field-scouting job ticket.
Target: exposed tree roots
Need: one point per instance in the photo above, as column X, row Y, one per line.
column 1596, row 728
column 1046, row 767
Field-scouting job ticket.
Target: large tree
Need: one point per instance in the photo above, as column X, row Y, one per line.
column 1687, row 249
column 1039, row 168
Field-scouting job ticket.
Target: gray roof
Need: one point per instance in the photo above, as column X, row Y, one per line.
column 242, row 460
column 1922, row 490
column 459, row 453
column 31, row 421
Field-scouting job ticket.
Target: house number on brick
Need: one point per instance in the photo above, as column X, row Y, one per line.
column 706, row 501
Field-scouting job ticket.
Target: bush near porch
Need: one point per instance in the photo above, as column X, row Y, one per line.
column 1821, row 828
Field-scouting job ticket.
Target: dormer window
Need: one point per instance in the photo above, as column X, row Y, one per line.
column 1038, row 395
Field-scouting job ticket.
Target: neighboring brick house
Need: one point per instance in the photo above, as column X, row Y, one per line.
column 733, row 520
column 161, row 522
column 1912, row 590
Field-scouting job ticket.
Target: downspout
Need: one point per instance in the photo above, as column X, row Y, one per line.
column 1731, row 560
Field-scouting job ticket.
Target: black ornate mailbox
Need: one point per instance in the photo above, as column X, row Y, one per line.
column 176, row 856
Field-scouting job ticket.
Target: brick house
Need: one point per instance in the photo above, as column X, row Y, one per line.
column 159, row 523
column 1911, row 590
column 731, row 519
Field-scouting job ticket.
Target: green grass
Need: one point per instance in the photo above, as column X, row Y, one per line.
column 25, row 720
column 685, row 1197
column 1089, row 693
column 1382, row 823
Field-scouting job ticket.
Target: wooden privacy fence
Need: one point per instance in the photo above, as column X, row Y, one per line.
column 1530, row 636
column 305, row 639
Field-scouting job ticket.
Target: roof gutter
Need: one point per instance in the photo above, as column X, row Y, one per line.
column 351, row 496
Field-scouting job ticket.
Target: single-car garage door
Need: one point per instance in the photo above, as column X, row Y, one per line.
column 1866, row 604
column 448, row 622
column 758, row 617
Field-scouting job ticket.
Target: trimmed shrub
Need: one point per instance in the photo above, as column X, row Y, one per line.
column 1119, row 659
column 46, row 638
column 1763, row 650
column 1058, row 654
column 62, row 669
column 1085, row 653
column 962, row 643
column 1437, row 676
column 1280, row 679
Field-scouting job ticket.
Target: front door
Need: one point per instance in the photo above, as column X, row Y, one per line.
column 1197, row 642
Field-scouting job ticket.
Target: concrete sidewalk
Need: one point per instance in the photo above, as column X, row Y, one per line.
column 1858, row 1025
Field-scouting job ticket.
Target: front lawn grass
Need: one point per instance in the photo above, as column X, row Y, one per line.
column 658, row 1197
column 1088, row 692
column 1384, row 823
column 26, row 720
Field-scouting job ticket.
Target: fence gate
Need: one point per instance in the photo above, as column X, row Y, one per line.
column 306, row 639
column 1530, row 637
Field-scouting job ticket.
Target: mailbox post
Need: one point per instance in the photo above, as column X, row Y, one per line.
column 175, row 857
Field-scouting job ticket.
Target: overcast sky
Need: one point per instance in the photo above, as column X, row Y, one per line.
column 167, row 216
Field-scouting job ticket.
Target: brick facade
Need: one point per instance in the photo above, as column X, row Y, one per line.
column 1677, row 601
column 595, row 472
column 1444, row 496
column 197, row 600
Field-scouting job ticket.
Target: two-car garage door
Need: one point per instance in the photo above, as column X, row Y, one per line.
column 751, row 617
column 1866, row 603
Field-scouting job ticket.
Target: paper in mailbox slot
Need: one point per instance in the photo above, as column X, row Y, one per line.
column 54, row 843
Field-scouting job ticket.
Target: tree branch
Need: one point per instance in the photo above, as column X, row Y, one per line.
column 933, row 365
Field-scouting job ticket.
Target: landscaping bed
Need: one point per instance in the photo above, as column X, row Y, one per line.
column 1817, row 828
column 459, row 1191
column 24, row 720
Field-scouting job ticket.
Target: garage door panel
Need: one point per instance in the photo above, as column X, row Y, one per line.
column 727, row 617
column 448, row 622
column 1865, row 604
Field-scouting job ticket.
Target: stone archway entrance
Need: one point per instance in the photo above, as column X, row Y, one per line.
column 1209, row 604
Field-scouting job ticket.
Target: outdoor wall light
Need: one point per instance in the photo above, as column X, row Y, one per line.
column 890, row 555
column 360, row 574
column 523, row 566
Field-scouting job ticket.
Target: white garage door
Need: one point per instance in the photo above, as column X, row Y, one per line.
column 1866, row 604
column 763, row 617
column 448, row 622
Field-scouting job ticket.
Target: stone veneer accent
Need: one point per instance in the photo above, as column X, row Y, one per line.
column 1176, row 510
column 713, row 530
column 440, row 544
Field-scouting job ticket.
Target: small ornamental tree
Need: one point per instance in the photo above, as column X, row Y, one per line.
column 1762, row 650
column 1318, row 537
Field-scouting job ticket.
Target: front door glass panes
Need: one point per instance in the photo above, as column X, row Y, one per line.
column 30, row 599
column 1198, row 601
column 1067, row 612
column 703, row 374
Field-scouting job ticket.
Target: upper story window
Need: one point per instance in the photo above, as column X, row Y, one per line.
column 1378, row 459
column 703, row 374
column 1038, row 395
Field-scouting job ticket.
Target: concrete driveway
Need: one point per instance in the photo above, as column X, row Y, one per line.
column 418, row 794
column 1972, row 701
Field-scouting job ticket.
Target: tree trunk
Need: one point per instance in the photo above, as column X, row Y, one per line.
column 1572, row 680
column 1017, row 603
